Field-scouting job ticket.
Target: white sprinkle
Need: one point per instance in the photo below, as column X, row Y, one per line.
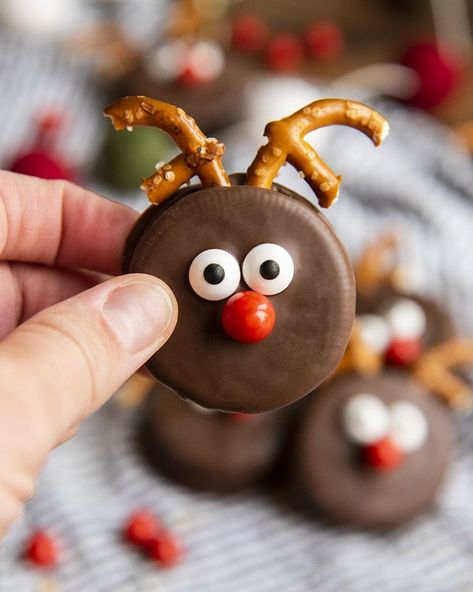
column 129, row 128
column 159, row 165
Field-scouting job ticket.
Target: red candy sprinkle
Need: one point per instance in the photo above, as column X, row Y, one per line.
column 285, row 53
column 42, row 550
column 324, row 40
column 383, row 455
column 249, row 33
column 402, row 352
column 165, row 549
column 248, row 317
column 142, row 528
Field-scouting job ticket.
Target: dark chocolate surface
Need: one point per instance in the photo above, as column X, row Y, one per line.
column 314, row 315
column 329, row 470
column 208, row 450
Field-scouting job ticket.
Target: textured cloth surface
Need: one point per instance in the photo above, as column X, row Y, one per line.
column 257, row 541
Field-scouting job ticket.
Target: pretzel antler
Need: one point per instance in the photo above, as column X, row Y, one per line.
column 200, row 156
column 359, row 357
column 286, row 143
column 376, row 265
column 434, row 371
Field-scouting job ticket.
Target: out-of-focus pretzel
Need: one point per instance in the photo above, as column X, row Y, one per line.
column 200, row 156
column 359, row 357
column 434, row 371
column 286, row 143
column 376, row 265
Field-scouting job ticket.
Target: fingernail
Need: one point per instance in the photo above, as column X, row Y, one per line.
column 140, row 314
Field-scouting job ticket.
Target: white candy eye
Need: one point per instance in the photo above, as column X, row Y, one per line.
column 165, row 62
column 214, row 274
column 207, row 60
column 409, row 426
column 375, row 331
column 268, row 269
column 366, row 419
column 406, row 318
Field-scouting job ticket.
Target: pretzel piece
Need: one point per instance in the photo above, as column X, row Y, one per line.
column 377, row 265
column 434, row 371
column 200, row 156
column 286, row 143
column 359, row 357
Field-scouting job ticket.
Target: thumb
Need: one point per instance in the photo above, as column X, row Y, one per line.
column 67, row 360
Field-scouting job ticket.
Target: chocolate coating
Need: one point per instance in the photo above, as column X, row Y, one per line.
column 314, row 314
column 329, row 469
column 208, row 450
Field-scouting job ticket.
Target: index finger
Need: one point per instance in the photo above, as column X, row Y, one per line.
column 60, row 224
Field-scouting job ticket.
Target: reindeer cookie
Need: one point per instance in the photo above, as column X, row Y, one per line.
column 372, row 450
column 395, row 322
column 265, row 288
column 205, row 449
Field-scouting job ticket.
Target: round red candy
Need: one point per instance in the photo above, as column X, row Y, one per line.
column 248, row 317
column 285, row 53
column 249, row 33
column 42, row 550
column 324, row 40
column 402, row 352
column 142, row 528
column 165, row 549
column 383, row 455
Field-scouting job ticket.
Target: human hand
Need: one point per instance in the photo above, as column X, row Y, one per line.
column 69, row 337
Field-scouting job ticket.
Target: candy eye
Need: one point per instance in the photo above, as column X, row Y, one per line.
column 268, row 269
column 214, row 274
column 365, row 419
column 409, row 426
column 375, row 331
column 406, row 318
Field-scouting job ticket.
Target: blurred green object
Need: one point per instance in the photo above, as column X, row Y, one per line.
column 127, row 157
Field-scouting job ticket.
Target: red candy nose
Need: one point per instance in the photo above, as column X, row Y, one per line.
column 402, row 352
column 383, row 455
column 248, row 317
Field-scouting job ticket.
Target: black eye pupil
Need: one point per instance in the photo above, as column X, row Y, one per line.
column 214, row 274
column 269, row 270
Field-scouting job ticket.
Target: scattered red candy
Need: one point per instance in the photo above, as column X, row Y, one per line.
column 324, row 40
column 248, row 317
column 383, row 455
column 42, row 550
column 402, row 352
column 249, row 33
column 142, row 527
column 285, row 53
column 165, row 549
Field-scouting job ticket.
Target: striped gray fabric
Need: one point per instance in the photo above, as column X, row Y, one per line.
column 256, row 541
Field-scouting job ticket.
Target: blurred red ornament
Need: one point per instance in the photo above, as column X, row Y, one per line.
column 40, row 159
column 285, row 53
column 249, row 33
column 42, row 550
column 438, row 71
column 324, row 40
